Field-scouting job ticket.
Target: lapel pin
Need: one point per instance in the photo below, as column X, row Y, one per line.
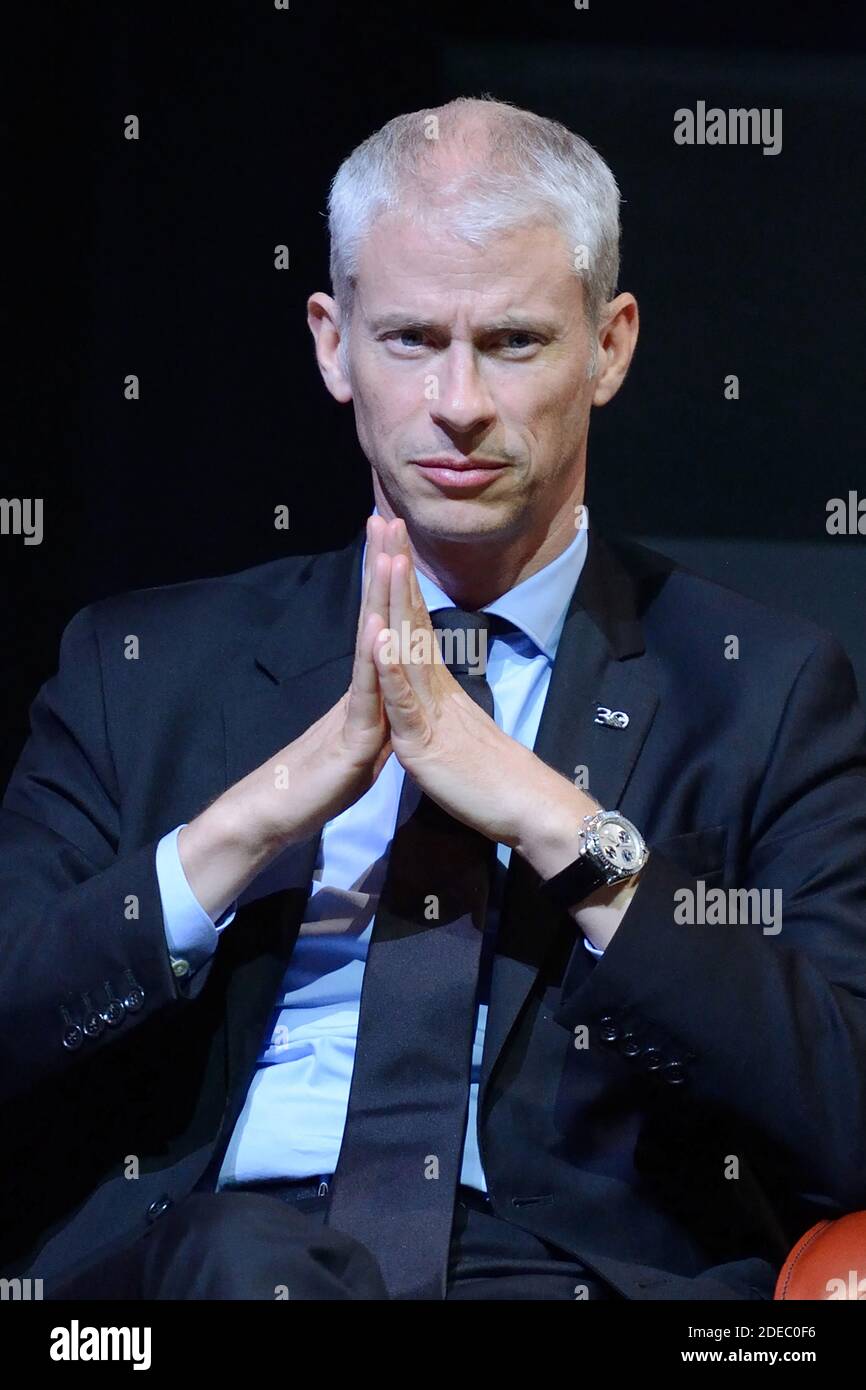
column 613, row 718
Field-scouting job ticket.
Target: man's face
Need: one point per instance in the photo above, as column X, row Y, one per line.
column 457, row 355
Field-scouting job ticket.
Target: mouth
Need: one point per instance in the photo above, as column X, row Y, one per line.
column 460, row 475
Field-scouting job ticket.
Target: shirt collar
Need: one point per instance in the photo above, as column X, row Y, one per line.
column 537, row 605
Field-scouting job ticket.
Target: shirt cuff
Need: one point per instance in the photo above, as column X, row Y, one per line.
column 190, row 933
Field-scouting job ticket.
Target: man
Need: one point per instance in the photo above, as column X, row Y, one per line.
column 438, row 995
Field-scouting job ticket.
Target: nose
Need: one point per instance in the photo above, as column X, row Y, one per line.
column 464, row 402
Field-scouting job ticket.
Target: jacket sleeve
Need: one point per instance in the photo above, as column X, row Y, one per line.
column 83, row 951
column 766, row 1023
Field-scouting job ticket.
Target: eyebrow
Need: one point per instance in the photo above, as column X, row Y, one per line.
column 524, row 322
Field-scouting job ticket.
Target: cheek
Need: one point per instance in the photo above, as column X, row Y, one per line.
column 543, row 391
column 565, row 406
column 387, row 400
column 543, row 409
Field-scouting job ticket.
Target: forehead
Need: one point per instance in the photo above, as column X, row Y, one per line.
column 421, row 266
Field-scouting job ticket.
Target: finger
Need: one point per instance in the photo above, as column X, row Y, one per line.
column 416, row 598
column 401, row 610
column 364, row 710
column 386, row 535
column 376, row 532
column 399, row 598
column 379, row 590
column 376, row 599
column 375, row 546
column 395, row 539
column 403, row 709
column 413, row 606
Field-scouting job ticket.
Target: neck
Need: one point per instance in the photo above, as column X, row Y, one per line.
column 475, row 571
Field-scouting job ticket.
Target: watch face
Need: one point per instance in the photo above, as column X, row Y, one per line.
column 619, row 845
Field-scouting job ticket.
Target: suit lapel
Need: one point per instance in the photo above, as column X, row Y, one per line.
column 301, row 664
column 600, row 661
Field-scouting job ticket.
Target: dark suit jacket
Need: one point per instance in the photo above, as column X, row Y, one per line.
column 719, row 1107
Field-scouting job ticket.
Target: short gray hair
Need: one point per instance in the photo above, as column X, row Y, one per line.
column 525, row 169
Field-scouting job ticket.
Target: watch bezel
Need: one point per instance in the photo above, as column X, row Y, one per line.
column 592, row 846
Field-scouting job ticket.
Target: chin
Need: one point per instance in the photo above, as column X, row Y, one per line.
column 461, row 519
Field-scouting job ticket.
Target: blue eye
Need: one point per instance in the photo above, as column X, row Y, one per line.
column 398, row 337
column 529, row 340
column 516, row 340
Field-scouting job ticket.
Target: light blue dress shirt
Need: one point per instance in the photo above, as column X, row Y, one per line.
column 292, row 1121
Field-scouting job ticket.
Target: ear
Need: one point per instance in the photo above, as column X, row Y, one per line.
column 323, row 318
column 617, row 339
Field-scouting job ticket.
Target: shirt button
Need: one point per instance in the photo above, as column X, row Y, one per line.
column 179, row 966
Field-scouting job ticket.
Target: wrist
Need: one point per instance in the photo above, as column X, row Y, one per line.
column 549, row 838
column 223, row 849
column 248, row 821
column 600, row 914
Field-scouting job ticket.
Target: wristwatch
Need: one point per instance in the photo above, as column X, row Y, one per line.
column 611, row 849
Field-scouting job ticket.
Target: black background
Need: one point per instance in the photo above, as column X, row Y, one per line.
column 156, row 257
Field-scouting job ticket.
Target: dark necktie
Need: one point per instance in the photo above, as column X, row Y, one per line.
column 399, row 1166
